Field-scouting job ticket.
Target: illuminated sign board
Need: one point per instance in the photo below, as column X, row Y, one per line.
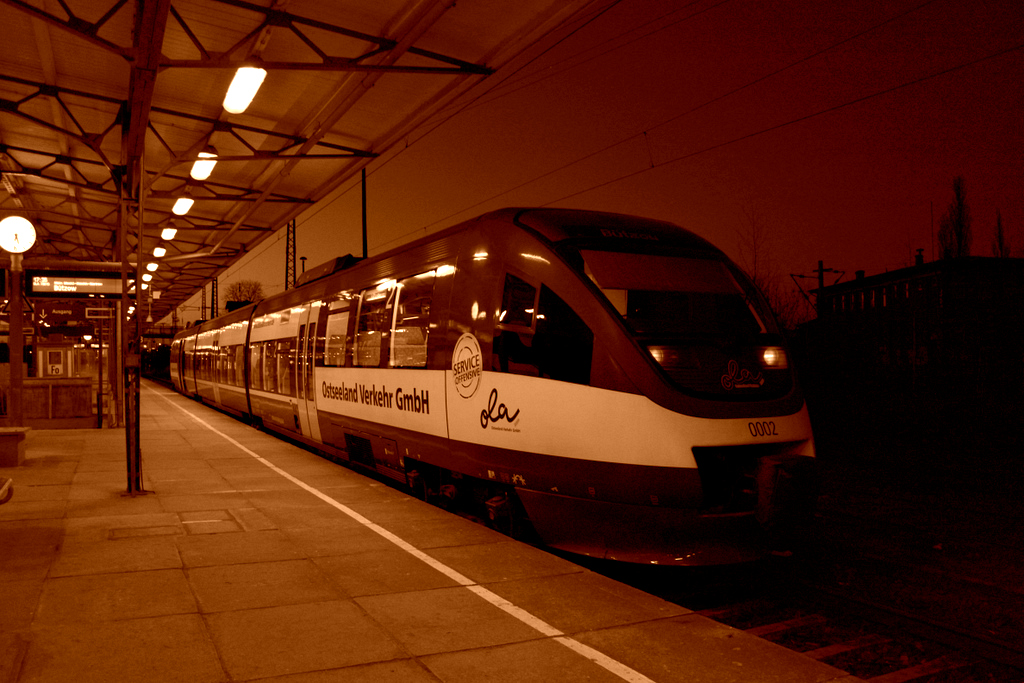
column 73, row 285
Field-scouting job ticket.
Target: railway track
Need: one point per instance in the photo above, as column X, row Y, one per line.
column 781, row 601
column 867, row 643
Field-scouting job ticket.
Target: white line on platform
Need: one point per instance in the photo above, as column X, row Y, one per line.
column 613, row 665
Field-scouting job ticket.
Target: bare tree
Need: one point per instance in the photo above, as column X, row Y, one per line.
column 757, row 258
column 955, row 227
column 244, row 290
column 1000, row 244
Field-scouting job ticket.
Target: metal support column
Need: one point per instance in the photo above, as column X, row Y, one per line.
column 365, row 245
column 289, row 256
column 16, row 339
column 213, row 298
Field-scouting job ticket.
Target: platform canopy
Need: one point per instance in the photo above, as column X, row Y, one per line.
column 106, row 104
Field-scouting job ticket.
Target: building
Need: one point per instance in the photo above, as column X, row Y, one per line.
column 943, row 328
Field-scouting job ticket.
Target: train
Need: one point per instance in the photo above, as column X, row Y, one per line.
column 613, row 386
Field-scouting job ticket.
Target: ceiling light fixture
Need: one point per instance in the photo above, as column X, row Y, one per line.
column 159, row 251
column 152, row 266
column 182, row 206
column 203, row 166
column 168, row 233
column 246, row 83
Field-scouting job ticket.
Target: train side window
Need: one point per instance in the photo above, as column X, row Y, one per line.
column 269, row 366
column 373, row 323
column 513, row 338
column 256, row 366
column 518, row 302
column 285, row 353
column 227, row 370
column 239, row 351
column 337, row 337
column 563, row 346
column 412, row 321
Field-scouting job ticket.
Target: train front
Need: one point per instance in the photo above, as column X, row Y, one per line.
column 695, row 434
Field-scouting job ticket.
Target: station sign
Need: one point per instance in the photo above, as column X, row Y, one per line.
column 72, row 285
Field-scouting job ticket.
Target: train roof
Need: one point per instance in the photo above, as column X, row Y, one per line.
column 557, row 225
column 582, row 227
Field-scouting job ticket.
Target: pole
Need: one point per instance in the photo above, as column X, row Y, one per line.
column 365, row 250
column 16, row 412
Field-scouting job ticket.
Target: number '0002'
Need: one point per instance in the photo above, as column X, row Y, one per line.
column 762, row 429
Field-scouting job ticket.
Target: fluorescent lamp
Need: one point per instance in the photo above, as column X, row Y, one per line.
column 159, row 251
column 152, row 266
column 146, row 277
column 243, row 88
column 168, row 233
column 203, row 166
column 182, row 206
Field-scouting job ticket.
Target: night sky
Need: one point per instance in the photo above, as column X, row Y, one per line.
column 836, row 127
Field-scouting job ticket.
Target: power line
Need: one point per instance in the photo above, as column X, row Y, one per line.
column 786, row 124
column 692, row 110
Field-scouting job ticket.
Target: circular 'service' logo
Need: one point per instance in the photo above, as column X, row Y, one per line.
column 467, row 365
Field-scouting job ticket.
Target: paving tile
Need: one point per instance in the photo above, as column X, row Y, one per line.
column 387, row 570
column 17, row 534
column 18, row 604
column 89, row 556
column 104, row 523
column 17, row 509
column 583, row 601
column 237, row 548
column 43, row 492
column 263, row 584
column 202, row 501
column 111, row 597
column 535, row 661
column 394, row 671
column 27, row 563
column 503, row 560
column 437, row 531
column 297, row 517
column 115, row 504
column 169, row 649
column 343, row 537
column 444, row 620
column 285, row 498
column 252, row 519
column 319, row 636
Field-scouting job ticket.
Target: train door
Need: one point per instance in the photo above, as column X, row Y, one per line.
column 305, row 387
column 188, row 376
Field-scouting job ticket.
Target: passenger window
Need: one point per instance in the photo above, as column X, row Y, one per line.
column 563, row 345
column 256, row 366
column 240, row 365
column 269, row 366
column 337, row 336
column 286, row 367
column 561, row 348
column 518, row 302
column 412, row 321
column 373, row 323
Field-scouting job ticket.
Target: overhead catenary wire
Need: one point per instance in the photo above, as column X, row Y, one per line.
column 633, row 136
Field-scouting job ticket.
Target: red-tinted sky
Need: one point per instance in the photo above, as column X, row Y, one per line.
column 837, row 126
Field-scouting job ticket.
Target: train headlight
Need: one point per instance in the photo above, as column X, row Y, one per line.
column 773, row 358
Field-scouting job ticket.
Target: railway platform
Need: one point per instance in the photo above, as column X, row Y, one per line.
column 252, row 559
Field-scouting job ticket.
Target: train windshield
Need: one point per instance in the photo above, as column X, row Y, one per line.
column 698, row 318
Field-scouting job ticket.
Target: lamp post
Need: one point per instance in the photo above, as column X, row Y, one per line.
column 16, row 237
